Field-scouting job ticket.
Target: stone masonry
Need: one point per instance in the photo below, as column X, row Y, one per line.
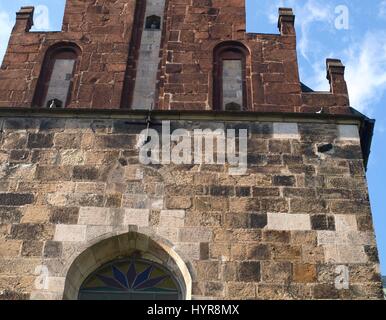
column 74, row 196
column 277, row 232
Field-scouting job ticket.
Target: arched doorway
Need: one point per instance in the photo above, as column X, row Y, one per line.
column 131, row 265
column 131, row 279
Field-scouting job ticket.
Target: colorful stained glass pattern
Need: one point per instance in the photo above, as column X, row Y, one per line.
column 130, row 280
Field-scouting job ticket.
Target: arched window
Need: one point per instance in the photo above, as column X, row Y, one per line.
column 153, row 22
column 130, row 279
column 57, row 77
column 229, row 77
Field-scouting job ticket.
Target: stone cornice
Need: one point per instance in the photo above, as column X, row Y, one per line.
column 182, row 115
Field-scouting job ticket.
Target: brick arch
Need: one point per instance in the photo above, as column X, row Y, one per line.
column 109, row 247
column 238, row 49
column 65, row 49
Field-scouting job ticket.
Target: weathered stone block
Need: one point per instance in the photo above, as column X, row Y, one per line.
column 71, row 233
column 236, row 220
column 222, row 191
column 95, row 216
column 314, row 206
column 304, row 238
column 207, row 270
column 19, row 155
column 85, row 173
column 240, row 290
column 266, row 192
column 348, row 133
column 32, row 248
column 274, row 205
column 190, row 250
column 52, row 249
column 178, row 202
column 313, row 254
column 345, row 223
column 345, row 238
column 64, row 215
column 249, row 271
column 285, row 131
column 286, row 181
column 40, row 141
column 10, row 215
column 36, row 214
column 139, row 217
column 322, row 222
column 258, row 252
column 345, row 254
column 284, row 222
column 32, row 232
column 304, row 273
column 15, row 140
column 10, row 248
column 275, row 236
column 16, row 199
column 325, row 291
column 279, row 146
column 243, row 191
column 97, row 231
column 172, row 218
column 276, row 272
column 53, row 173
column 258, row 221
column 67, row 140
column 195, row 234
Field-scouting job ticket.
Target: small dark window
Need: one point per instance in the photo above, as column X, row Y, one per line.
column 233, row 106
column 230, row 77
column 54, row 103
column 57, row 77
column 153, row 22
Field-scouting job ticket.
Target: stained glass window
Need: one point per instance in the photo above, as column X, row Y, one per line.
column 135, row 279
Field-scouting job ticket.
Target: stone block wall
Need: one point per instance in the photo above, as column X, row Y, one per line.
column 284, row 230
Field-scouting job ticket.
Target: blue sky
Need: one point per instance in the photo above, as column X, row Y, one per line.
column 354, row 31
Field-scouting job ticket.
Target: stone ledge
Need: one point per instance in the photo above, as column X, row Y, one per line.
column 126, row 114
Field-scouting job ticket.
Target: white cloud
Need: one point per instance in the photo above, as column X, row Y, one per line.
column 307, row 14
column 5, row 30
column 318, row 80
column 366, row 71
column 41, row 18
column 382, row 9
column 310, row 13
column 365, row 62
column 365, row 59
column 41, row 22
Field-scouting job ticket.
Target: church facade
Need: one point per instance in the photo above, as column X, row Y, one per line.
column 83, row 217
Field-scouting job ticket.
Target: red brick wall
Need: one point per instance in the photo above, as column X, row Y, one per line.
column 102, row 30
column 192, row 29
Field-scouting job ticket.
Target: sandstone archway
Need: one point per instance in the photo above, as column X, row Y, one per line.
column 125, row 246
